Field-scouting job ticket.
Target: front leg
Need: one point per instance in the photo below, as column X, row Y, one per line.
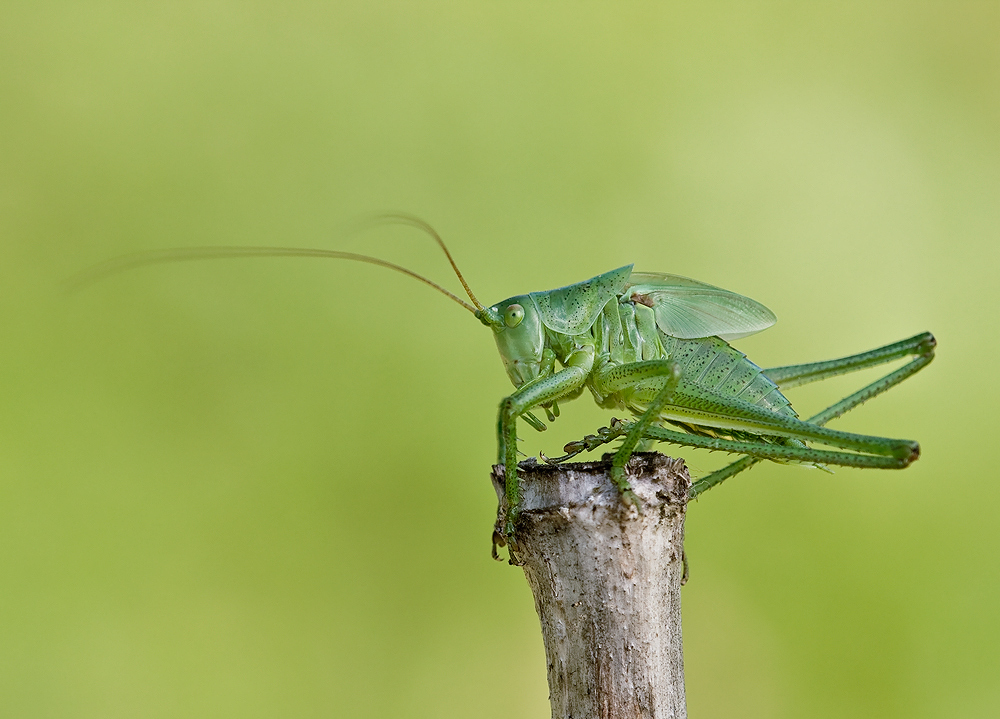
column 546, row 390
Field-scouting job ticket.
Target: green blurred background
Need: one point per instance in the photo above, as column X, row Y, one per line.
column 260, row 488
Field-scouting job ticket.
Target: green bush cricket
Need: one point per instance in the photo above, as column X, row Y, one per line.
column 656, row 345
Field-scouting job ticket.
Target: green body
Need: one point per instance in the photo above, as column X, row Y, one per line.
column 656, row 345
column 624, row 332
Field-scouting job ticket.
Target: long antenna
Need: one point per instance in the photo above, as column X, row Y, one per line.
column 181, row 254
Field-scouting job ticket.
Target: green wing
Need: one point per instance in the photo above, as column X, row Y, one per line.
column 688, row 309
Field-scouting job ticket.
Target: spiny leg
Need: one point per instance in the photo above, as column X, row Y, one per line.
column 700, row 406
column 761, row 450
column 767, row 450
column 875, row 388
column 790, row 376
column 783, row 452
column 921, row 344
column 794, row 375
column 721, row 475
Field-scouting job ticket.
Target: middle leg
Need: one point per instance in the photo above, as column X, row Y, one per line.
column 618, row 377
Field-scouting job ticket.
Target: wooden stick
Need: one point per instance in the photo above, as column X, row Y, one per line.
column 607, row 583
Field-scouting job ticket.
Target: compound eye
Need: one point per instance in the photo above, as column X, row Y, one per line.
column 513, row 315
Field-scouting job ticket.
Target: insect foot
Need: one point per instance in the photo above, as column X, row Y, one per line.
column 508, row 516
column 927, row 344
column 504, row 537
column 908, row 453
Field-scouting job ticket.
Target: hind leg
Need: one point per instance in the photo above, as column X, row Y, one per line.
column 794, row 375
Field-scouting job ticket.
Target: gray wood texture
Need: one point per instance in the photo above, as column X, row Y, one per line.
column 607, row 584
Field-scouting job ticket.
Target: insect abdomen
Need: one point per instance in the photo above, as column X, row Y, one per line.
column 713, row 364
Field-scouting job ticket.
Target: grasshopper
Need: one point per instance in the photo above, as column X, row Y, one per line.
column 655, row 345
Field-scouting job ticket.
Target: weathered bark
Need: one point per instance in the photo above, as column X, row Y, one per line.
column 607, row 584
